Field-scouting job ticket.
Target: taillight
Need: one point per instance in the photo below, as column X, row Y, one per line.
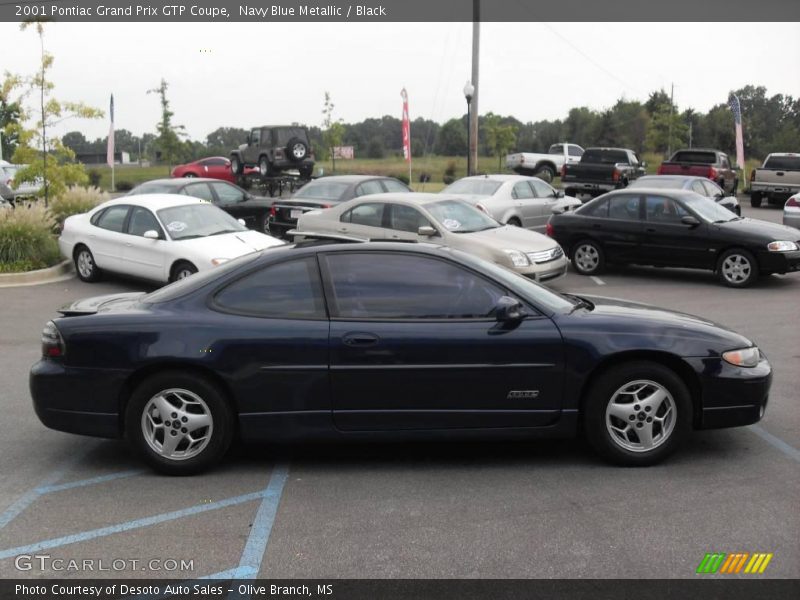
column 794, row 202
column 660, row 170
column 326, row 206
column 52, row 342
column 615, row 175
column 563, row 170
column 273, row 211
column 753, row 175
column 712, row 173
column 549, row 230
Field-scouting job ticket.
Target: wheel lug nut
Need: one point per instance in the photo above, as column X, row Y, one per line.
column 637, row 407
column 167, row 424
column 632, row 417
column 646, row 409
column 649, row 419
column 173, row 432
column 639, row 425
column 174, row 415
column 184, row 430
column 184, row 419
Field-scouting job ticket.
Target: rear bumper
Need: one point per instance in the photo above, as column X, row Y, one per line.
column 589, row 187
column 82, row 401
column 731, row 396
column 774, row 189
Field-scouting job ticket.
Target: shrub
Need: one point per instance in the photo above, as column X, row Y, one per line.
column 94, row 177
column 424, row 177
column 402, row 177
column 450, row 169
column 76, row 200
column 124, row 186
column 448, row 179
column 26, row 240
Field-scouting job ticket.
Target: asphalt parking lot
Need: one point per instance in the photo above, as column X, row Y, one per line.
column 534, row 509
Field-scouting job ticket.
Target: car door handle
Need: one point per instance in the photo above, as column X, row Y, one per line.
column 360, row 339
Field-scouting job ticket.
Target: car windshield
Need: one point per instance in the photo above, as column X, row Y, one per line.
column 197, row 220
column 473, row 187
column 659, row 183
column 460, row 217
column 284, row 134
column 708, row 209
column 322, row 190
column 153, row 188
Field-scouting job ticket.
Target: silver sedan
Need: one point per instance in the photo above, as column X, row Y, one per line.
column 791, row 212
column 513, row 199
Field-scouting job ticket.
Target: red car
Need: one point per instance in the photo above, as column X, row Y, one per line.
column 215, row 167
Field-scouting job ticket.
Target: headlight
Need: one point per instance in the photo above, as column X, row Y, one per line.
column 746, row 357
column 518, row 259
column 218, row 261
column 781, row 246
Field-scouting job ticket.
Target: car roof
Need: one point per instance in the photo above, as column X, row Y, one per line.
column 180, row 181
column 155, row 201
column 496, row 177
column 278, row 126
column 654, row 190
column 672, row 177
column 699, row 150
column 350, row 178
column 419, row 198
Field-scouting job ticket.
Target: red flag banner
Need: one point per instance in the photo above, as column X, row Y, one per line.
column 406, row 128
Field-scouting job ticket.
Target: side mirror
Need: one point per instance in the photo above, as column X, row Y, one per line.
column 509, row 310
column 690, row 220
column 241, row 222
column 427, row 231
column 559, row 193
column 151, row 234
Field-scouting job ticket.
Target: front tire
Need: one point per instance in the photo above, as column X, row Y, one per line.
column 264, row 168
column 179, row 423
column 85, row 266
column 237, row 168
column 182, row 270
column 588, row 258
column 737, row 268
column 514, row 222
column 637, row 414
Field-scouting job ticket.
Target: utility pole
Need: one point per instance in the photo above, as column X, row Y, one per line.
column 671, row 108
column 473, row 114
column 690, row 134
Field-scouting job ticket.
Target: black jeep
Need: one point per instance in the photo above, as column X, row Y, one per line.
column 275, row 149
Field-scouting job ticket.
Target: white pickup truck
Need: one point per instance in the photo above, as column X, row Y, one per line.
column 776, row 180
column 544, row 166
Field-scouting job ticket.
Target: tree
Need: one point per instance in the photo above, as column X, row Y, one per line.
column 333, row 130
column 500, row 138
column 10, row 115
column 168, row 141
column 667, row 130
column 452, row 139
column 224, row 139
column 75, row 141
column 49, row 158
column 375, row 148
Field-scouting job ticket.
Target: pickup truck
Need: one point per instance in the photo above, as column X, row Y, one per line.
column 601, row 170
column 776, row 180
column 544, row 166
column 703, row 162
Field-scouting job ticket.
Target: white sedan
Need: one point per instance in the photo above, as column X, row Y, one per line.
column 161, row 237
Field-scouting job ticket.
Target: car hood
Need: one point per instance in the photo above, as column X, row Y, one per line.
column 625, row 324
column 510, row 238
column 95, row 304
column 770, row 232
column 230, row 245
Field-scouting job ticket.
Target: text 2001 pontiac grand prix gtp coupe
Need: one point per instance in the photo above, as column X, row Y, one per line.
column 385, row 340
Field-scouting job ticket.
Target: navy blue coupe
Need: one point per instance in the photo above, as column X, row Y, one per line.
column 385, row 340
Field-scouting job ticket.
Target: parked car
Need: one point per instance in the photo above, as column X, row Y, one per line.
column 214, row 167
column 544, row 166
column 791, row 212
column 703, row 162
column 256, row 350
column 326, row 192
column 699, row 185
column 443, row 220
column 6, row 195
column 159, row 237
column 513, row 199
column 674, row 228
column 274, row 149
column 20, row 189
column 776, row 180
column 253, row 210
column 601, row 170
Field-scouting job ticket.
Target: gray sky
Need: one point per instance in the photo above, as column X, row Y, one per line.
column 243, row 74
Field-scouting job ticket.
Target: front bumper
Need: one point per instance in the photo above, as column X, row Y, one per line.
column 547, row 271
column 779, row 262
column 82, row 401
column 730, row 396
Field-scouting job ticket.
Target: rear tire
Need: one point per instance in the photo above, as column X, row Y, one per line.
column 588, row 258
column 514, row 222
column 85, row 266
column 755, row 199
column 737, row 268
column 237, row 168
column 638, row 413
column 545, row 173
column 264, row 168
column 179, row 423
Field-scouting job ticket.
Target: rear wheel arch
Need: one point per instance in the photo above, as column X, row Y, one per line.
column 665, row 359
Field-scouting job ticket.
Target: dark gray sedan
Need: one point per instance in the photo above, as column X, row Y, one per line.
column 699, row 185
column 326, row 192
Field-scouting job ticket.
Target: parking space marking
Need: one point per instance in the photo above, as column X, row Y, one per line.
column 58, row 487
column 29, row 497
column 129, row 525
column 597, row 280
column 776, row 442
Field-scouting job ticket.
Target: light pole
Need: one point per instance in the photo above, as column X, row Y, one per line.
column 469, row 91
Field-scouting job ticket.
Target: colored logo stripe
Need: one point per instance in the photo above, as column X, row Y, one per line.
column 711, row 562
column 733, row 563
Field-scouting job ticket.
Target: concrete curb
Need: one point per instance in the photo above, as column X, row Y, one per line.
column 61, row 272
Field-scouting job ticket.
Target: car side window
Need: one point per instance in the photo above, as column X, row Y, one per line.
column 215, row 162
column 625, row 208
column 698, row 187
column 394, row 186
column 199, row 190
column 255, row 137
column 724, row 163
column 143, row 220
column 712, row 189
column 556, row 149
column 287, row 290
column 406, row 218
column 113, row 218
column 369, row 187
column 371, row 286
column 660, row 209
column 595, row 209
column 574, row 151
column 522, row 190
column 542, row 189
column 227, row 194
column 369, row 214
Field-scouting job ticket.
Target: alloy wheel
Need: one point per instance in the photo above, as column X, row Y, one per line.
column 298, row 151
column 587, row 258
column 736, row 268
column 85, row 264
column 177, row 424
column 641, row 416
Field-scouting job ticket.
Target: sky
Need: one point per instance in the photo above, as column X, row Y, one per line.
column 246, row 74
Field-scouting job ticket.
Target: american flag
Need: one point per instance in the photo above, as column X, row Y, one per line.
column 110, row 150
column 406, row 128
column 736, row 107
